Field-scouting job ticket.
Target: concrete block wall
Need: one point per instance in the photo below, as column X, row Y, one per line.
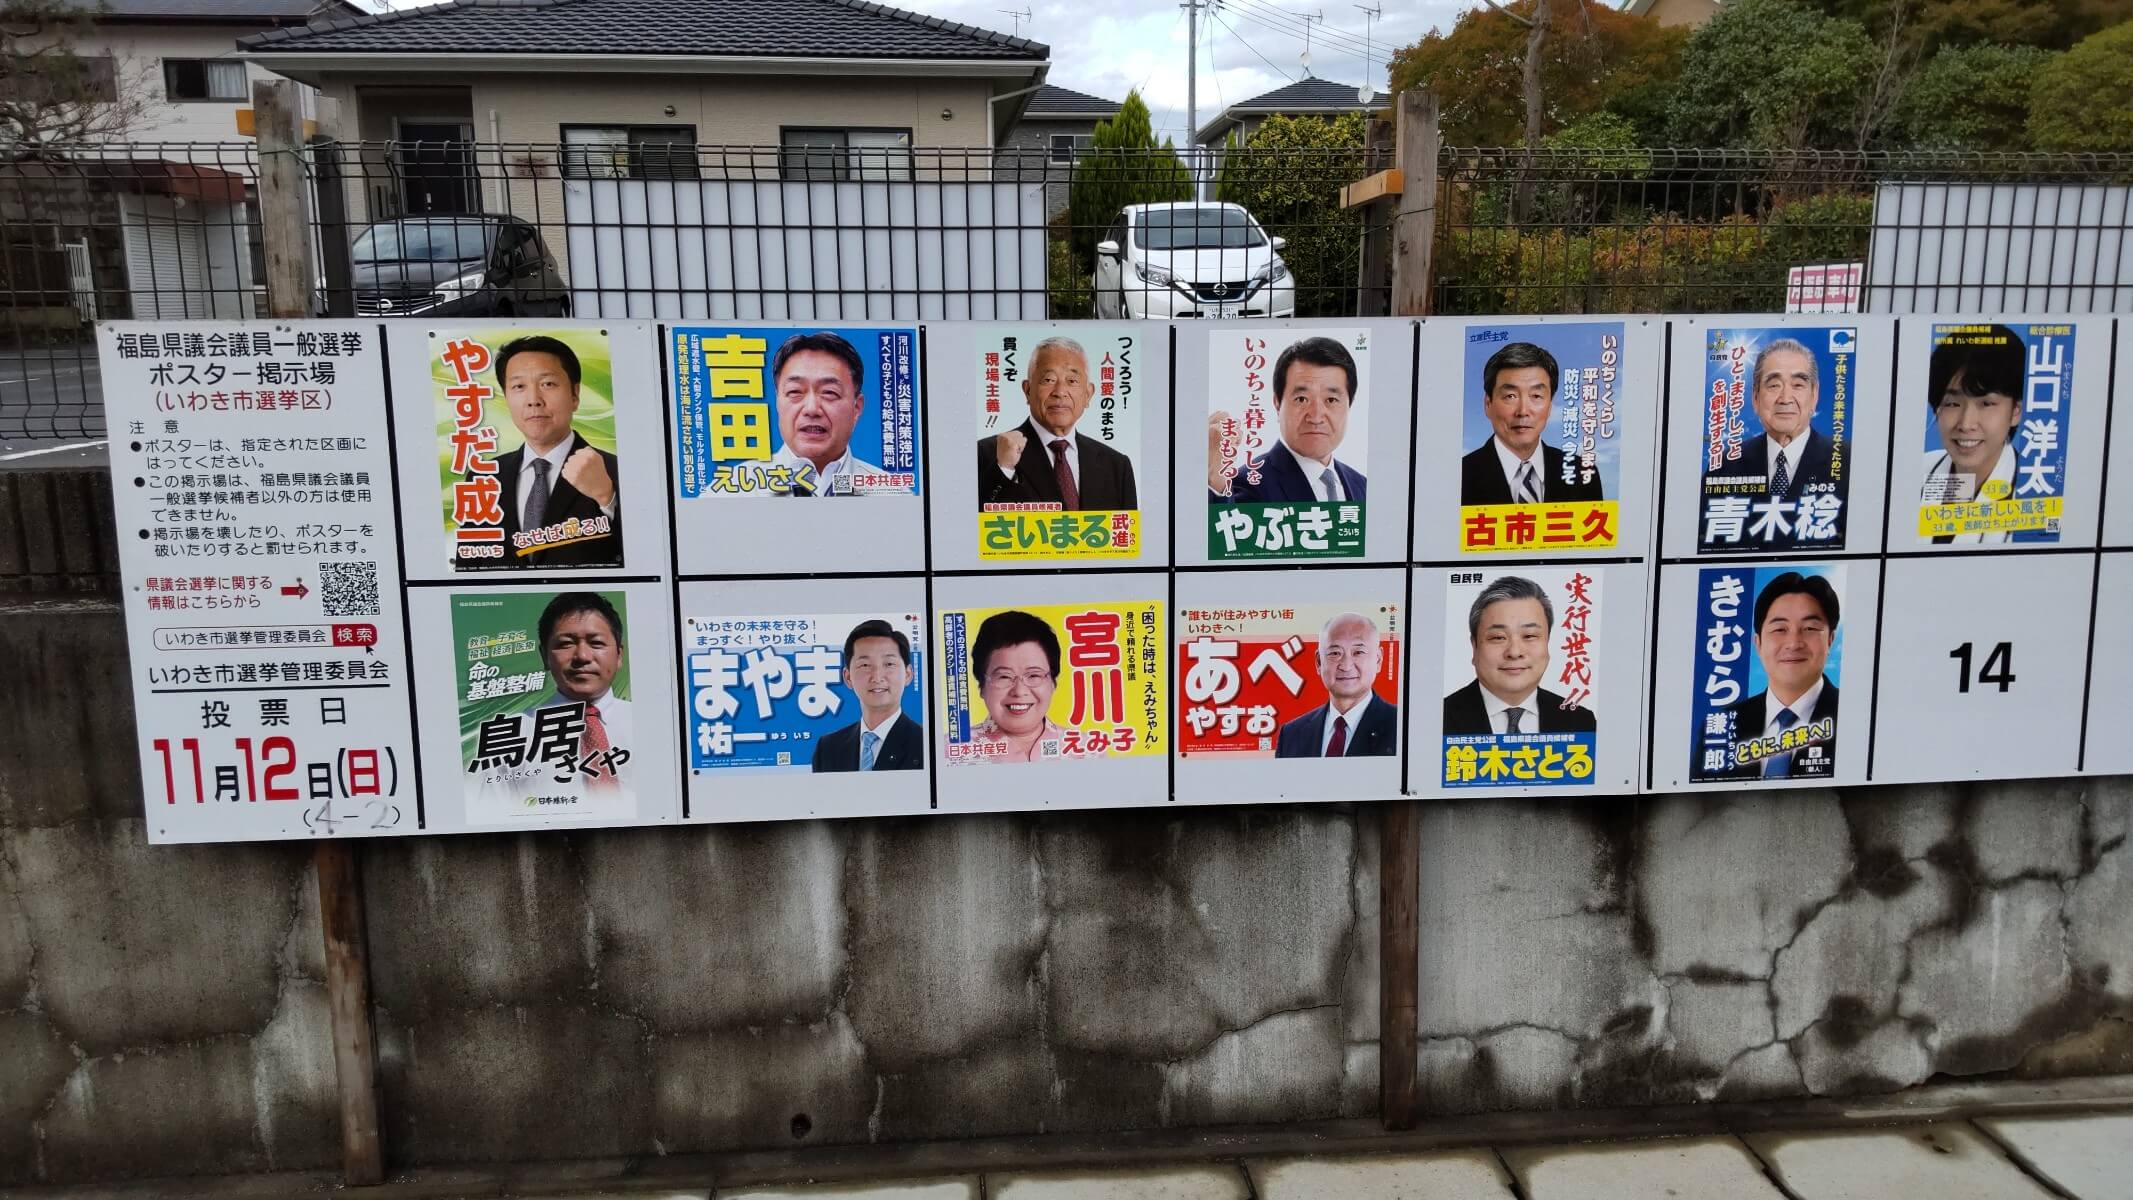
column 679, row 990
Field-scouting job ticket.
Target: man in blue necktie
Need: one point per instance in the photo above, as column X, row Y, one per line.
column 1795, row 625
column 877, row 669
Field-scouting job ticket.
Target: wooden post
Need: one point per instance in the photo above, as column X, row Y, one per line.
column 1415, row 232
column 285, row 230
column 1399, row 958
column 1373, row 279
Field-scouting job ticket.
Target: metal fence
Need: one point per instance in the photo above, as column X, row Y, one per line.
column 671, row 231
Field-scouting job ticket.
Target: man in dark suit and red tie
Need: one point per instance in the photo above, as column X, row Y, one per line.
column 1514, row 466
column 1314, row 391
column 1043, row 460
column 557, row 475
column 1354, row 722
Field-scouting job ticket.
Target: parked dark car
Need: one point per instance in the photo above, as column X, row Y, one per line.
column 456, row 266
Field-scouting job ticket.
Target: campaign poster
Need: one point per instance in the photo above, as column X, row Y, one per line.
column 1543, row 465
column 1059, row 441
column 1776, row 438
column 526, row 449
column 1994, row 469
column 795, row 411
column 1050, row 682
column 546, row 729
column 805, row 692
column 1287, row 423
column 1289, row 681
column 1768, row 663
column 1522, row 684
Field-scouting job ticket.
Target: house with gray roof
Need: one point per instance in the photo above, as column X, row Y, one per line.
column 1056, row 126
column 1307, row 97
column 833, row 89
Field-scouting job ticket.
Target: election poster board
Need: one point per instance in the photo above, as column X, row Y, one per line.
column 252, row 489
column 1008, row 400
column 528, row 447
column 1778, row 439
column 766, row 418
column 1051, row 689
column 1546, row 449
column 1292, row 441
column 2118, row 498
column 1999, row 432
column 794, row 711
column 1983, row 662
column 1750, row 674
column 2108, row 751
column 1289, row 687
column 555, row 710
column 1564, row 645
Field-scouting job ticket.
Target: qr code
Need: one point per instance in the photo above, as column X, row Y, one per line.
column 349, row 589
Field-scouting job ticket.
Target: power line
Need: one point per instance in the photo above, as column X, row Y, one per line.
column 1254, row 49
column 1284, row 22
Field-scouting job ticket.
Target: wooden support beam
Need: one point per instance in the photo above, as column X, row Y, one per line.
column 1399, row 959
column 1415, row 231
column 1370, row 187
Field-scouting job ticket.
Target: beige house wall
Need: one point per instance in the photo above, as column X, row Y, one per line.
column 1682, row 12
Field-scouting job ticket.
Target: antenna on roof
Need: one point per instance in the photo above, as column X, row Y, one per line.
column 1024, row 15
column 1309, row 19
column 1367, row 91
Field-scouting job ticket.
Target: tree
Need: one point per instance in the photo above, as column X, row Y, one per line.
column 50, row 95
column 1941, row 24
column 1289, row 174
column 2083, row 99
column 1478, row 70
column 1773, row 74
column 1123, row 165
column 1970, row 98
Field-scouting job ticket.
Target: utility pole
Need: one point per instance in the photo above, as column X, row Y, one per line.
column 1192, row 95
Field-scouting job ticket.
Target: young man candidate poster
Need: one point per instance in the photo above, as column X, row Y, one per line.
column 1289, row 681
column 1776, row 449
column 1769, row 659
column 796, row 412
column 1521, row 685
column 805, row 692
column 1059, row 422
column 526, row 448
column 1994, row 469
column 546, row 726
column 1288, row 440
column 1050, row 682
column 1543, row 471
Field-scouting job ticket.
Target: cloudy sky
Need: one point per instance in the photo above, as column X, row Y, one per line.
column 1109, row 47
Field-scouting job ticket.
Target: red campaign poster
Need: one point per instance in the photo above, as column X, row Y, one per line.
column 1291, row 681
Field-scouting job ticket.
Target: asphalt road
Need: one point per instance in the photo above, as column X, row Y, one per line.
column 51, row 407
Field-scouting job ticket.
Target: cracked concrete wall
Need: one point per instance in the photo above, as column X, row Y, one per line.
column 674, row 990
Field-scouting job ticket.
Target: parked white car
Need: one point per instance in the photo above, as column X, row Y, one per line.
column 1188, row 259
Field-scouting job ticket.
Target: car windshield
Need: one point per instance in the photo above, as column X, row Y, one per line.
column 425, row 241
column 1197, row 229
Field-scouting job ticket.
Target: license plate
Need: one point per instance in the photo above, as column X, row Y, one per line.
column 1227, row 312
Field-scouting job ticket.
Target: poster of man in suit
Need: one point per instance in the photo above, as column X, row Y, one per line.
column 1776, row 464
column 1769, row 658
column 1288, row 443
column 1540, row 418
column 1271, row 680
column 1522, row 688
column 1059, row 420
column 804, row 692
column 526, row 448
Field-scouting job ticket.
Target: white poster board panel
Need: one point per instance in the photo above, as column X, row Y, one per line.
column 1815, row 389
column 1998, row 432
column 252, row 489
column 1982, row 664
column 2118, row 498
column 1250, row 481
column 1573, row 419
column 538, row 713
column 2110, row 751
column 1564, row 645
column 529, row 448
column 1288, row 686
column 1002, row 398
column 1752, row 700
column 1051, row 691
column 831, row 416
column 805, row 698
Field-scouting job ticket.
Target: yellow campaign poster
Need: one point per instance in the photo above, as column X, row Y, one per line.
column 1059, row 419
column 1054, row 681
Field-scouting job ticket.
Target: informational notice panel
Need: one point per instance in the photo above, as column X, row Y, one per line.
column 685, row 573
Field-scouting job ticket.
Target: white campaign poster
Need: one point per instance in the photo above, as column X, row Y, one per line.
column 252, row 484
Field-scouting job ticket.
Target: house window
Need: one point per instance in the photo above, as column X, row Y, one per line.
column 629, row 151
column 1066, row 147
column 216, row 79
column 845, row 154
